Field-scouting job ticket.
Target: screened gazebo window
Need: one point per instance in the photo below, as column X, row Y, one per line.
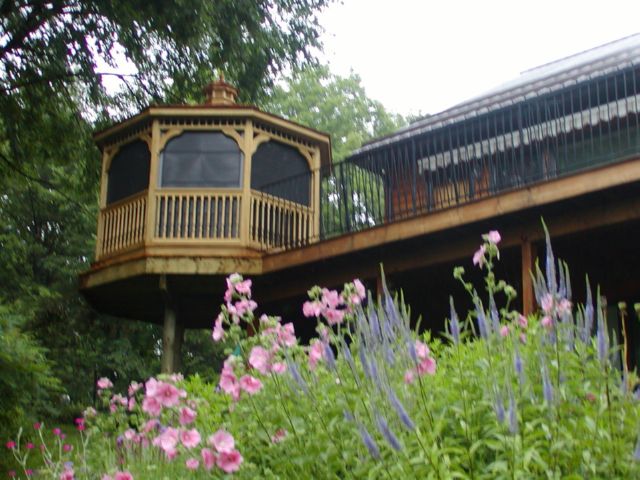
column 129, row 171
column 282, row 171
column 201, row 159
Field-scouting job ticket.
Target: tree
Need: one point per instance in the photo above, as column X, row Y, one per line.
column 353, row 197
column 333, row 104
column 54, row 56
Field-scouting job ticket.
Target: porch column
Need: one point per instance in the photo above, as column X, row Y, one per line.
column 528, row 255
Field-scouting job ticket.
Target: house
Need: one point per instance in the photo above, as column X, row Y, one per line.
column 560, row 142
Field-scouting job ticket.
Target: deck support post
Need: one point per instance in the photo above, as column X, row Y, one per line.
column 172, row 334
column 528, row 255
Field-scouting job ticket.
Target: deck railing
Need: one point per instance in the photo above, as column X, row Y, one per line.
column 121, row 225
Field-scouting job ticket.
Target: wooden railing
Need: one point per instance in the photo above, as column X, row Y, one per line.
column 275, row 223
column 198, row 215
column 122, row 225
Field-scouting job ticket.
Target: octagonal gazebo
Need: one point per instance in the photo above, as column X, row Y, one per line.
column 190, row 193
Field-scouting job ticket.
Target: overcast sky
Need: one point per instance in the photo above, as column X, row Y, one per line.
column 421, row 56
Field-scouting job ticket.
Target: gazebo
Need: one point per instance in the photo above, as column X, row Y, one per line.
column 191, row 193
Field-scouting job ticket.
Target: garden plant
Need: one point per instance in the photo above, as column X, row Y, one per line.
column 499, row 395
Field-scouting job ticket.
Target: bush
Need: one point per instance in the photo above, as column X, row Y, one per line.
column 501, row 396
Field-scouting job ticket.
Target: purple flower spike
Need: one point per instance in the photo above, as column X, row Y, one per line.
column 482, row 321
column 386, row 432
column 547, row 388
column 369, row 443
column 400, row 411
column 454, row 324
column 498, row 407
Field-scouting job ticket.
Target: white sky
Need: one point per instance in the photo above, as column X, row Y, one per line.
column 421, row 56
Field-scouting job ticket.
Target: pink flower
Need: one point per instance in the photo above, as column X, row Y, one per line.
column 331, row 298
column 316, row 353
column 57, row 432
column 546, row 321
column 152, row 406
column 208, row 458
column 103, row 383
column 478, row 257
column 504, row 331
column 68, row 474
column 311, row 309
column 167, row 394
column 187, row 416
column 192, row 463
column 546, row 302
column 28, row 472
column 494, row 237
column 132, row 403
column 250, row 384
column 30, row 446
column 334, row 317
column 522, row 321
column 123, row 476
column 243, row 288
column 279, row 436
column 428, row 366
column 422, row 350
column 67, row 448
column 12, row 473
column 11, row 444
column 150, row 425
column 129, row 434
column 523, row 338
column 107, row 477
column 167, row 440
column 279, row 367
column 259, row 359
column 222, row 441
column 287, row 335
column 133, row 388
column 564, row 307
column 409, row 377
column 229, row 462
column 360, row 290
column 218, row 331
column 151, row 387
column 229, row 384
column 37, row 426
column 190, row 438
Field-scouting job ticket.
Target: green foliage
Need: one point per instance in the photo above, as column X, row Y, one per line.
column 333, row 104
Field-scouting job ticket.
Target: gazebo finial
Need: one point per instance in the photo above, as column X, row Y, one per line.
column 220, row 92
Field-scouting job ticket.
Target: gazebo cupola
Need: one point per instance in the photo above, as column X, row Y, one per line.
column 194, row 191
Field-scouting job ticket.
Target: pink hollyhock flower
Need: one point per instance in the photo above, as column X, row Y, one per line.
column 150, row 425
column 311, row 309
column 218, row 331
column 229, row 462
column 151, row 387
column 250, row 384
column 190, row 438
column 133, row 388
column 68, row 474
column 187, row 416
column 287, row 335
column 331, row 298
column 208, row 458
column 123, row 476
column 546, row 302
column 428, row 366
column 152, row 406
column 129, row 434
column 222, row 441
column 279, row 367
column 229, row 384
column 360, row 290
column 167, row 440
column 167, row 394
column 422, row 351
column 192, row 463
column 244, row 287
column 259, row 359
column 409, row 377
column 316, row 353
column 334, row 317
column 478, row 257
column 279, row 436
column 132, row 403
column 494, row 237
column 522, row 321
column 546, row 321
column 103, row 383
column 504, row 331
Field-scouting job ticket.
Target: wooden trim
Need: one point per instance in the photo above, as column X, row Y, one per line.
column 527, row 256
